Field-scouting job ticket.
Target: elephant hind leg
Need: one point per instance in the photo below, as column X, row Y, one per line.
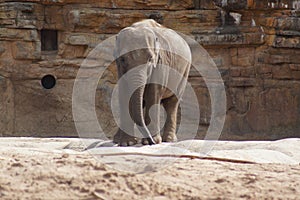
column 171, row 106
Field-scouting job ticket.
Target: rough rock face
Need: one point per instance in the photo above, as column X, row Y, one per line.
column 255, row 44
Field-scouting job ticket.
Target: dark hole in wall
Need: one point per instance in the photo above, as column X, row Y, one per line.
column 49, row 40
column 48, row 81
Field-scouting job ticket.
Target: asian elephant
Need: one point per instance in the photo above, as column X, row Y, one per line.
column 150, row 50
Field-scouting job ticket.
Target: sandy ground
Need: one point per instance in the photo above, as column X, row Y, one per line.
column 39, row 172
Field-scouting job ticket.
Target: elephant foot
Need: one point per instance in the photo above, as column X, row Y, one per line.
column 156, row 138
column 169, row 138
column 123, row 139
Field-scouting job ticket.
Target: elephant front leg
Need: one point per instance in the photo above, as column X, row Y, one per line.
column 125, row 134
column 171, row 107
column 123, row 139
column 152, row 113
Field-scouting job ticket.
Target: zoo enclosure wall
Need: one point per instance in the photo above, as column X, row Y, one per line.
column 255, row 44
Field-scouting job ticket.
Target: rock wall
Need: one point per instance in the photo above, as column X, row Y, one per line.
column 254, row 43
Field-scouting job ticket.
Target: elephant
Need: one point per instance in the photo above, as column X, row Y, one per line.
column 152, row 49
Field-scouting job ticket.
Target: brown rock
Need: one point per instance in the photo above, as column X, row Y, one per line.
column 288, row 23
column 130, row 4
column 78, row 40
column 275, row 111
column 86, row 39
column 243, row 82
column 41, row 112
column 205, row 4
column 26, row 50
column 283, row 42
column 265, row 4
column 7, row 117
column 55, row 18
column 248, row 72
column 278, row 59
column 281, row 72
column 104, row 21
column 296, row 75
column 72, row 51
column 264, row 69
column 254, row 110
column 231, row 4
column 295, row 67
column 21, row 15
column 202, row 93
column 235, row 72
column 244, row 57
column 18, row 34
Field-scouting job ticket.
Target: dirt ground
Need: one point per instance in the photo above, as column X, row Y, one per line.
column 37, row 174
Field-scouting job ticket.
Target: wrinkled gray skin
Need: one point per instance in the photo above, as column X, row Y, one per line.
column 154, row 37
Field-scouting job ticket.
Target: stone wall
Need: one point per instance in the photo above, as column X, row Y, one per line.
column 254, row 43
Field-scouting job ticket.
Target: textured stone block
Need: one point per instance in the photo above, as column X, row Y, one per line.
column 244, row 57
column 288, row 23
column 205, row 4
column 103, row 102
column 242, row 82
column 231, row 4
column 129, row 4
column 204, row 100
column 7, row 117
column 60, row 68
column 26, row 50
column 253, row 110
column 295, row 67
column 18, row 34
column 264, row 69
column 21, row 14
column 248, row 72
column 85, row 39
column 78, row 40
column 276, row 103
column 41, row 112
column 154, row 4
column 235, row 72
column 286, row 42
column 296, row 75
column 72, row 51
column 192, row 21
column 7, row 61
column 55, row 18
column 278, row 59
column 105, row 21
column 281, row 72
column 269, row 4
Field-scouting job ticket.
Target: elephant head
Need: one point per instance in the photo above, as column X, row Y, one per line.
column 137, row 52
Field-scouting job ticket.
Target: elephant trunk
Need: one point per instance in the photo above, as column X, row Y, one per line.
column 136, row 107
